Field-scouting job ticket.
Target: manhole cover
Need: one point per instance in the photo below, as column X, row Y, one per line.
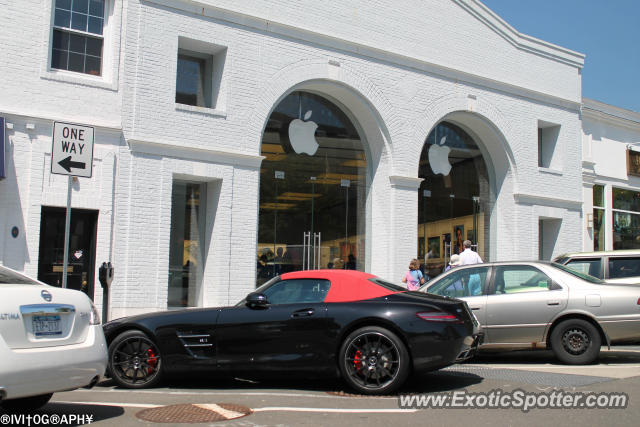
column 194, row 413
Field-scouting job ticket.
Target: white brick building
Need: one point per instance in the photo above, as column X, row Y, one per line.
column 389, row 72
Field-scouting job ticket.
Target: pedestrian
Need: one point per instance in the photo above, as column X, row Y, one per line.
column 453, row 262
column 413, row 278
column 456, row 289
column 468, row 256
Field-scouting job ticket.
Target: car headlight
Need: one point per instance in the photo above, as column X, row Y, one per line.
column 94, row 319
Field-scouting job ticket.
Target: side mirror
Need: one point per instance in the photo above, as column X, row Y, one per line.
column 256, row 300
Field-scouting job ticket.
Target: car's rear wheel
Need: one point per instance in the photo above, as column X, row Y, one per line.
column 373, row 360
column 134, row 360
column 576, row 342
column 26, row 404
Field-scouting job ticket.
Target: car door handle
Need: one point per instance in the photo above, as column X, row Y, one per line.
column 475, row 308
column 554, row 302
column 303, row 313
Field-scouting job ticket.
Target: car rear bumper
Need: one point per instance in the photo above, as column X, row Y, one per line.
column 34, row 371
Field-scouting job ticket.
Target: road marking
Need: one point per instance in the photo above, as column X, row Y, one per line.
column 334, row 410
column 265, row 409
column 124, row 405
column 225, row 393
column 220, row 410
column 618, row 371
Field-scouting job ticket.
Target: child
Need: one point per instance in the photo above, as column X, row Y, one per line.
column 413, row 278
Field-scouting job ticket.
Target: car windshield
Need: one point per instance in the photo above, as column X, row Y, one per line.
column 8, row 277
column 582, row 276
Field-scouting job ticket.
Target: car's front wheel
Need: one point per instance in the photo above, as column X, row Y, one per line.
column 576, row 342
column 373, row 360
column 134, row 360
column 26, row 404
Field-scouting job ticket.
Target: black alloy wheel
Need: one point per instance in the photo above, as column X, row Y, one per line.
column 576, row 342
column 374, row 360
column 134, row 360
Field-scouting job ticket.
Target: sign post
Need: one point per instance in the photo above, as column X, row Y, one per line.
column 71, row 155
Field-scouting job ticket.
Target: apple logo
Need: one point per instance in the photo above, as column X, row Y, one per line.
column 302, row 135
column 439, row 158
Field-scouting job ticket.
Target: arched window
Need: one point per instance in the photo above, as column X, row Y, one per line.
column 312, row 189
column 452, row 197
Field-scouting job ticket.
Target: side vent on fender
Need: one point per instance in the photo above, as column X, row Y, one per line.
column 198, row 344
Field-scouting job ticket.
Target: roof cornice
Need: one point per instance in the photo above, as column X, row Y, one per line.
column 611, row 114
column 207, row 8
column 520, row 40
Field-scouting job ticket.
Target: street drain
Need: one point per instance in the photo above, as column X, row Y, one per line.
column 194, row 413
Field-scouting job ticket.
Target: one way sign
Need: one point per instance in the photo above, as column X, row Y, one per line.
column 72, row 150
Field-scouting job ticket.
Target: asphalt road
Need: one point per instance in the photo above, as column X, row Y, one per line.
column 328, row 403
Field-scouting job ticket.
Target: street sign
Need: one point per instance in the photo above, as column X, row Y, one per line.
column 72, row 150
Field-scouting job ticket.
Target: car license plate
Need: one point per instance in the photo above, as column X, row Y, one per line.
column 46, row 326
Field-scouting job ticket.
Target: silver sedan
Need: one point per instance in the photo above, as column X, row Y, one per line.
column 532, row 305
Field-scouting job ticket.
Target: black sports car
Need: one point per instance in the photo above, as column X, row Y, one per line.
column 319, row 322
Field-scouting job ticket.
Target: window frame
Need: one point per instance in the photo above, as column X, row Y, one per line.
column 86, row 34
column 618, row 211
column 613, row 258
column 585, row 259
column 206, row 70
column 456, row 271
column 491, row 291
column 550, row 156
column 109, row 77
column 326, row 282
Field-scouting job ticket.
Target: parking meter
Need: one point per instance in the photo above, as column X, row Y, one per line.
column 105, row 276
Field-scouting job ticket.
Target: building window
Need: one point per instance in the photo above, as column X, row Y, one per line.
column 191, row 82
column 453, row 199
column 200, row 68
column 548, row 155
column 598, row 218
column 548, row 232
column 186, row 243
column 626, row 219
column 78, row 36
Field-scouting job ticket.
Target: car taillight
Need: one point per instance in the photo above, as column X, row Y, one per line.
column 638, row 301
column 438, row 316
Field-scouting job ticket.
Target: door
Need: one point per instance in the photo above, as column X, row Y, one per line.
column 469, row 284
column 82, row 247
column 522, row 302
column 290, row 333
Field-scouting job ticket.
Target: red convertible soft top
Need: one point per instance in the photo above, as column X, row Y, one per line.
column 346, row 285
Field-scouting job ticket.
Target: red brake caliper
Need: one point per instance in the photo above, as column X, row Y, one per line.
column 357, row 360
column 152, row 360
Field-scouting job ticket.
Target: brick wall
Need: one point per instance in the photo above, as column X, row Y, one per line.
column 398, row 67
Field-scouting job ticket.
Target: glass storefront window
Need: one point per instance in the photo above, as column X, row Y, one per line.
column 626, row 230
column 453, row 197
column 186, row 244
column 313, row 183
column 598, row 196
column 626, row 200
column 598, row 230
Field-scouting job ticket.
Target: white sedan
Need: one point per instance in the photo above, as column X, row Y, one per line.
column 50, row 340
